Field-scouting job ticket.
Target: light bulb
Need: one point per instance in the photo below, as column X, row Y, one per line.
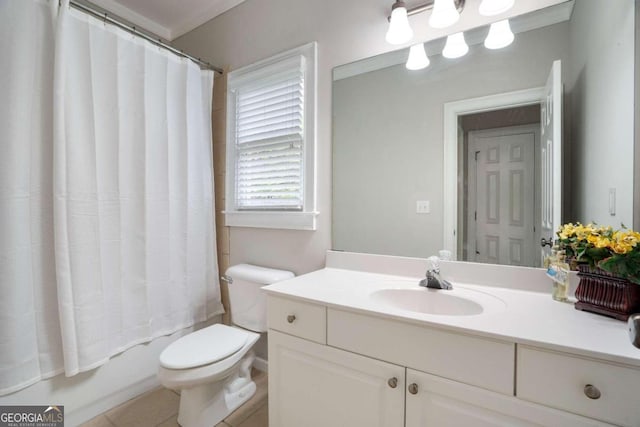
column 500, row 35
column 417, row 57
column 455, row 47
column 494, row 7
column 399, row 29
column 444, row 14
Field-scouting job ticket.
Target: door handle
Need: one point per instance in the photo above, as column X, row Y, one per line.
column 544, row 242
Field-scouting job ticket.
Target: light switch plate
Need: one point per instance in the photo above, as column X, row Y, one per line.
column 422, row 207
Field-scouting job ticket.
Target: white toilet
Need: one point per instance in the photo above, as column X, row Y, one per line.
column 212, row 366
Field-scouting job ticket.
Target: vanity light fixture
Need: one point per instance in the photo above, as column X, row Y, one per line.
column 494, row 7
column 399, row 31
column 455, row 47
column 500, row 35
column 417, row 57
column 444, row 14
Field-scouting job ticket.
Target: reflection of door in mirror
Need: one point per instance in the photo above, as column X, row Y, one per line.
column 501, row 195
column 497, row 202
column 511, row 175
column 551, row 147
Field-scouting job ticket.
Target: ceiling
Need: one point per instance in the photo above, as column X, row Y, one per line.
column 168, row 19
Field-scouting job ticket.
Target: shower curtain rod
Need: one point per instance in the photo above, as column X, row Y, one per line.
column 132, row 29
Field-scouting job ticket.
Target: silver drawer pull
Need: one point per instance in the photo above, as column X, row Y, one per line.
column 291, row 318
column 413, row 388
column 393, row 382
column 592, row 392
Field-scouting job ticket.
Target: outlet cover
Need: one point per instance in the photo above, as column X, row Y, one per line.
column 422, row 207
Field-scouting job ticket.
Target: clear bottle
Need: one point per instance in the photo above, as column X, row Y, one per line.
column 552, row 258
column 561, row 278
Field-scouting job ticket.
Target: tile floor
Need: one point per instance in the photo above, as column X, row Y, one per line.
column 159, row 408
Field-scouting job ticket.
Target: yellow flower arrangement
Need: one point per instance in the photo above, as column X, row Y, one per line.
column 615, row 251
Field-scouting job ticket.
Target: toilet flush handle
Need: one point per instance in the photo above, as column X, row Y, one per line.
column 227, row 279
column 291, row 318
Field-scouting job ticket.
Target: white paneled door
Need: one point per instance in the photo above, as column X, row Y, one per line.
column 501, row 214
column 551, row 158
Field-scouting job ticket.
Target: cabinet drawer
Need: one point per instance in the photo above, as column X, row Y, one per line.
column 477, row 361
column 559, row 381
column 302, row 319
column 440, row 402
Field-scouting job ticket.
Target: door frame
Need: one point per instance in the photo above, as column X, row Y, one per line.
column 452, row 110
column 636, row 161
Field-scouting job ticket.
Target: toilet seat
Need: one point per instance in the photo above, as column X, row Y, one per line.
column 181, row 378
column 203, row 347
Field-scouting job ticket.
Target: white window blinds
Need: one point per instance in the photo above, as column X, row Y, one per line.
column 269, row 138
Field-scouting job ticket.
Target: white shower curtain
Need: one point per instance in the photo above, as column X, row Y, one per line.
column 126, row 178
column 30, row 344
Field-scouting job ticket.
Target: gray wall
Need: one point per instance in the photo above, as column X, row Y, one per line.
column 258, row 29
column 600, row 82
column 388, row 139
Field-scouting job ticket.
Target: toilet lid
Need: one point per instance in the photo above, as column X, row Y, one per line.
column 203, row 347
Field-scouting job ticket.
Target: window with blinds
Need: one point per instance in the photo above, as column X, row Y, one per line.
column 270, row 144
column 269, row 139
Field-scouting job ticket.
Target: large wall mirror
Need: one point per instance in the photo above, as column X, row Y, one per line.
column 465, row 154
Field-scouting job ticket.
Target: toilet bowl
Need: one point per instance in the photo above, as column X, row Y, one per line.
column 212, row 366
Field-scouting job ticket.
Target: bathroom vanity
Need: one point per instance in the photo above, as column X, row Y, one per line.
column 359, row 343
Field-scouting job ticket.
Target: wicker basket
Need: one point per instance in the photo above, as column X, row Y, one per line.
column 605, row 293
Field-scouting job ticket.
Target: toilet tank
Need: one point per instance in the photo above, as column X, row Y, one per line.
column 248, row 303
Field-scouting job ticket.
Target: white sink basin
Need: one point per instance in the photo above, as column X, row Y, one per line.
column 456, row 302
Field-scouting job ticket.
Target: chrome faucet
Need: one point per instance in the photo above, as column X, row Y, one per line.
column 433, row 279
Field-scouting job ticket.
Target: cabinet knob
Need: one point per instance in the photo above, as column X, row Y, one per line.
column 291, row 318
column 413, row 388
column 393, row 382
column 592, row 392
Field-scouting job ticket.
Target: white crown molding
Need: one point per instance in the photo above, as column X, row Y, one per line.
column 134, row 18
column 199, row 14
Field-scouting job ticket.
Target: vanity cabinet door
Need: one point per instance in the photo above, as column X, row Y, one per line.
column 314, row 385
column 437, row 402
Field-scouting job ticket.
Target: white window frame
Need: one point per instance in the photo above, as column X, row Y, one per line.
column 304, row 219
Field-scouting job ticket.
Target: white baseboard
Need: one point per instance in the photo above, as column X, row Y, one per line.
column 261, row 364
column 85, row 413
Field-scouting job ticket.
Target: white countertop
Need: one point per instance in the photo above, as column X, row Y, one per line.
column 528, row 317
